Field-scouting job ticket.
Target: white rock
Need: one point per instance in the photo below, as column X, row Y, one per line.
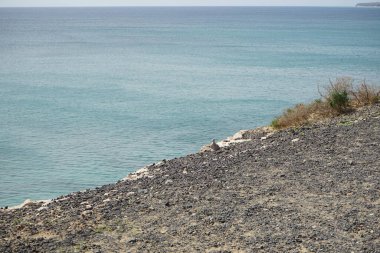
column 143, row 172
column 87, row 212
column 46, row 202
column 23, row 204
column 62, row 199
column 239, row 135
column 42, row 208
column 169, row 181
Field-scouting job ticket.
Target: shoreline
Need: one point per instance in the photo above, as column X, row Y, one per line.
column 259, row 133
column 314, row 187
column 238, row 137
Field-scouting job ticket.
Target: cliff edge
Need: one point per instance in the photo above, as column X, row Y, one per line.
column 307, row 189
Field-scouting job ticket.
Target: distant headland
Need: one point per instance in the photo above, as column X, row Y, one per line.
column 373, row 4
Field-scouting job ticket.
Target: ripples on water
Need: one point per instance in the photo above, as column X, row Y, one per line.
column 90, row 94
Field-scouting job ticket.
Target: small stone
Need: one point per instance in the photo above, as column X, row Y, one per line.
column 295, row 140
column 143, row 191
column 169, row 181
column 85, row 213
column 132, row 240
column 42, row 208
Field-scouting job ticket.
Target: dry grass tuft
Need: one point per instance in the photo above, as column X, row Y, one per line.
column 365, row 94
column 340, row 97
column 303, row 114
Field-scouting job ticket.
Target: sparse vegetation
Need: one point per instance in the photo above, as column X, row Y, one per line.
column 366, row 95
column 341, row 96
column 337, row 94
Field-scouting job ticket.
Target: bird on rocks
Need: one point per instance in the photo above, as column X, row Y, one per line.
column 214, row 146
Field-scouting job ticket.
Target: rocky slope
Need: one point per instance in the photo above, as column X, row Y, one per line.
column 312, row 189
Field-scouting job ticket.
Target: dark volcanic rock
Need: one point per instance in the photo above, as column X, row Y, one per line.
column 311, row 189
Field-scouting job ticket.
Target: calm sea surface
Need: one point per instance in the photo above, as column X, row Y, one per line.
column 88, row 95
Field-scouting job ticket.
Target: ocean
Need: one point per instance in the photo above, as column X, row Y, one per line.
column 88, row 95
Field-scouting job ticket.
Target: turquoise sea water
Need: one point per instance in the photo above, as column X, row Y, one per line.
column 88, row 95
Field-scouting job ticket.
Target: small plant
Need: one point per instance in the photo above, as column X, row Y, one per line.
column 337, row 94
column 339, row 100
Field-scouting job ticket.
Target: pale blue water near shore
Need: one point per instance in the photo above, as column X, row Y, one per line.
column 88, row 95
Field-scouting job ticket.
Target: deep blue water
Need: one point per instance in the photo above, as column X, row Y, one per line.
column 88, row 95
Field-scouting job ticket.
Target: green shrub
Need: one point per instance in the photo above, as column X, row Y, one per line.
column 337, row 94
column 339, row 100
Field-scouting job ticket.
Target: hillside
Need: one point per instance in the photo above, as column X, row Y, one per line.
column 373, row 4
column 307, row 189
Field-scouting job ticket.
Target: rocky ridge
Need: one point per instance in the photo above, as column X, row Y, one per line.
column 310, row 189
column 372, row 4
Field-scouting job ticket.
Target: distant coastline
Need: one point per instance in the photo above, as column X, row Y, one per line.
column 373, row 4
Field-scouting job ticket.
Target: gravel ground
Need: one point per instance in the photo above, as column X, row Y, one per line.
column 311, row 189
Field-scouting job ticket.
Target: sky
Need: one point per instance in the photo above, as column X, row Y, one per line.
column 34, row 3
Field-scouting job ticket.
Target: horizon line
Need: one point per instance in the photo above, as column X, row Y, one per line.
column 185, row 6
